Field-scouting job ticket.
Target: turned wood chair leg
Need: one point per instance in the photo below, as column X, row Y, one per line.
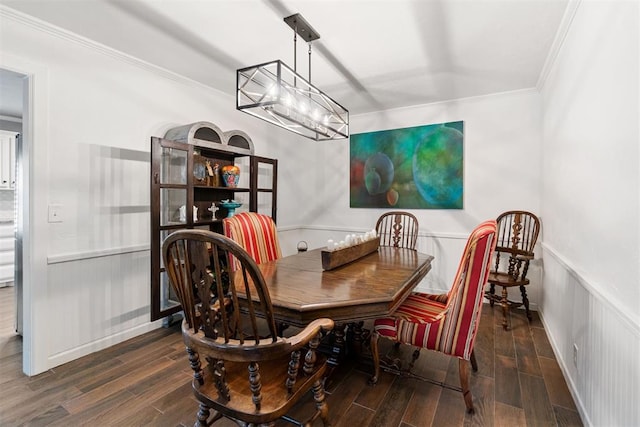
column 414, row 357
column 376, row 357
column 202, row 416
column 321, row 405
column 464, row 384
column 474, row 363
column 504, row 302
column 525, row 301
column 492, row 291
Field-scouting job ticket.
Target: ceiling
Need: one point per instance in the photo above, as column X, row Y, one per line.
column 372, row 54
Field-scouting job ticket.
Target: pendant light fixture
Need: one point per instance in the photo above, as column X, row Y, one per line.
column 274, row 92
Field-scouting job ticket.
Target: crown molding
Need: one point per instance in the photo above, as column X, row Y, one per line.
column 558, row 42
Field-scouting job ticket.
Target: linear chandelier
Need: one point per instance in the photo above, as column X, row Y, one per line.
column 274, row 92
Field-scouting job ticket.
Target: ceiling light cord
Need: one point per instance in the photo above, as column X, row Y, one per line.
column 309, row 62
column 295, row 56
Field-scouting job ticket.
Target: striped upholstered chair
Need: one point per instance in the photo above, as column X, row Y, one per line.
column 256, row 233
column 446, row 323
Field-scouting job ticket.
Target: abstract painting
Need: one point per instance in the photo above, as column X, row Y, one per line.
column 418, row 167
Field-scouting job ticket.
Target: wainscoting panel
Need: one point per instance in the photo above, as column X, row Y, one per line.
column 603, row 374
column 97, row 301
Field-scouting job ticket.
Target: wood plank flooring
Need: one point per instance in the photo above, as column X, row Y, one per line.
column 146, row 381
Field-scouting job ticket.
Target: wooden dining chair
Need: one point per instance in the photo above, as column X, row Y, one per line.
column 397, row 228
column 256, row 233
column 517, row 235
column 446, row 323
column 242, row 369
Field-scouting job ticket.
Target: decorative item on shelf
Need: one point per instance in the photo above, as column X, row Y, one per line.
column 213, row 175
column 199, row 170
column 213, row 208
column 279, row 95
column 183, row 213
column 230, row 206
column 230, row 175
column 350, row 249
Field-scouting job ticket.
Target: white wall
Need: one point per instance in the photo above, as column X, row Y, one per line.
column 94, row 111
column 502, row 139
column 591, row 210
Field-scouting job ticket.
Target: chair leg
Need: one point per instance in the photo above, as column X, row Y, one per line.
column 474, row 363
column 504, row 302
column 492, row 291
column 464, row 384
column 202, row 416
column 525, row 301
column 376, row 357
column 321, row 405
column 414, row 357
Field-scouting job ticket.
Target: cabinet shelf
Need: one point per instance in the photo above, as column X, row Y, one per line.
column 234, row 189
column 176, row 190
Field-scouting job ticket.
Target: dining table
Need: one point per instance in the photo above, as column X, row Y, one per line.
column 367, row 288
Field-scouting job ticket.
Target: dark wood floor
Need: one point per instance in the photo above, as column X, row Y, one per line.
column 146, row 381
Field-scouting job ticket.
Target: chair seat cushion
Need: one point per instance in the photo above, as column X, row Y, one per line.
column 505, row 279
column 418, row 321
column 276, row 401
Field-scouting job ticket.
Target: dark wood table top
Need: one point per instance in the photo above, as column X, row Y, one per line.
column 370, row 287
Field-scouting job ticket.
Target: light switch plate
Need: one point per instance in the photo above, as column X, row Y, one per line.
column 55, row 213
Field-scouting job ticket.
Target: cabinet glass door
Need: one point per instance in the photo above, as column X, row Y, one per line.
column 264, row 185
column 173, row 166
column 169, row 212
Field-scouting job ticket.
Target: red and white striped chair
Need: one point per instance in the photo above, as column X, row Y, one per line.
column 445, row 323
column 256, row 233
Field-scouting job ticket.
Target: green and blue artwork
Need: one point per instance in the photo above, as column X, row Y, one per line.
column 419, row 167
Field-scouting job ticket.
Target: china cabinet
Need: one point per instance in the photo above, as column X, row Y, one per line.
column 187, row 191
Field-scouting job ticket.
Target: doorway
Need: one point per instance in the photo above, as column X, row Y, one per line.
column 13, row 88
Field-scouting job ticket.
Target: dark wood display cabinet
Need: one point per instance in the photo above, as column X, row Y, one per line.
column 186, row 187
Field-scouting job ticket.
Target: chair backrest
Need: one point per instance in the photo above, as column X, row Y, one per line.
column 197, row 264
column 256, row 233
column 464, row 300
column 398, row 229
column 517, row 235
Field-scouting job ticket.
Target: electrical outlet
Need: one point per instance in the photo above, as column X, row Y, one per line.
column 575, row 355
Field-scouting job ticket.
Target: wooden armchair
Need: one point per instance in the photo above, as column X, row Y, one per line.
column 399, row 229
column 242, row 369
column 517, row 235
column 446, row 323
column 255, row 233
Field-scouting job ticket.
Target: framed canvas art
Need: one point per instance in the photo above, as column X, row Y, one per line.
column 418, row 167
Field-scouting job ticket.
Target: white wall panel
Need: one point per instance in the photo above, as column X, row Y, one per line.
column 97, row 302
column 95, row 112
column 591, row 209
column 605, row 379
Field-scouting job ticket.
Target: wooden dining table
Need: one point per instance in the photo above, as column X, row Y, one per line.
column 369, row 287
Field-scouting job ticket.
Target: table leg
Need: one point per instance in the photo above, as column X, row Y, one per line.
column 337, row 350
column 357, row 339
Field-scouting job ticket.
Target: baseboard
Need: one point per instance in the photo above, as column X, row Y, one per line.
column 85, row 349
